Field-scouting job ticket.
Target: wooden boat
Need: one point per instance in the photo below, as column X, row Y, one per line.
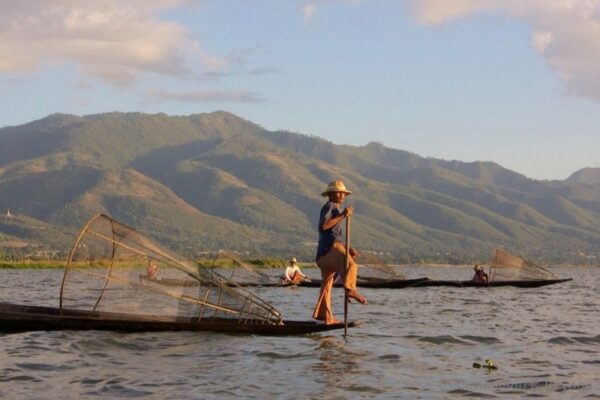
column 426, row 282
column 392, row 283
column 374, row 283
column 315, row 283
column 101, row 290
column 516, row 283
column 505, row 270
column 21, row 318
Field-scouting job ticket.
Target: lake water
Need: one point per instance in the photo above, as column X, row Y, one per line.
column 413, row 344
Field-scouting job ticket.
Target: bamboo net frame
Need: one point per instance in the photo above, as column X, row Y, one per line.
column 109, row 270
column 506, row 267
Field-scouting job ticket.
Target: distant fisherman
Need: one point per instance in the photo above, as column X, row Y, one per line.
column 293, row 274
column 331, row 253
column 480, row 276
column 151, row 270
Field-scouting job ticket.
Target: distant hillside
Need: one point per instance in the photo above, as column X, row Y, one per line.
column 587, row 176
column 215, row 181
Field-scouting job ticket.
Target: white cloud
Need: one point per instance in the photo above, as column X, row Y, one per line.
column 114, row 40
column 541, row 40
column 436, row 12
column 566, row 33
column 206, row 96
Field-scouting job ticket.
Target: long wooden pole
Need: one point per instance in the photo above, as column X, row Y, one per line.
column 347, row 268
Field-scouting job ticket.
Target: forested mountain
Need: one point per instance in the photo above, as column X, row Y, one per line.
column 215, row 181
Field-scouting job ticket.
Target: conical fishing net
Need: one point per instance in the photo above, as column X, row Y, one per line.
column 113, row 268
column 508, row 267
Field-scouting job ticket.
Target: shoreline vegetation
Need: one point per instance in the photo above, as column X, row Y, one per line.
column 266, row 263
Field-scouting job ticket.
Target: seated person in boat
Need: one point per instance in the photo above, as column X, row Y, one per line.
column 293, row 273
column 480, row 275
column 331, row 252
column 151, row 270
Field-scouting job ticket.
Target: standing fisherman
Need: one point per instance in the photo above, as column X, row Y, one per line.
column 331, row 253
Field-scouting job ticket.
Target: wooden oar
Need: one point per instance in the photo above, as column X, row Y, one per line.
column 347, row 268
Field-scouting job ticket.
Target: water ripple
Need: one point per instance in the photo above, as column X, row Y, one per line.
column 481, row 339
column 20, row 378
column 444, row 339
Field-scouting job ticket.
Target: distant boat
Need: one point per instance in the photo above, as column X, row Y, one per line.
column 411, row 283
column 505, row 270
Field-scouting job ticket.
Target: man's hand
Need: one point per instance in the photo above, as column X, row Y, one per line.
column 353, row 253
column 348, row 211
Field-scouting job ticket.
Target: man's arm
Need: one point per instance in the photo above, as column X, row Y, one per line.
column 331, row 222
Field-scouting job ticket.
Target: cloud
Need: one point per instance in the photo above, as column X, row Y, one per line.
column 566, row 33
column 437, row 12
column 206, row 96
column 113, row 40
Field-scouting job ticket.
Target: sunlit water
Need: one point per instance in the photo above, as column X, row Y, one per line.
column 413, row 343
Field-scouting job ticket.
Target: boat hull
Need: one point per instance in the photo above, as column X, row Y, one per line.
column 519, row 284
column 388, row 283
column 22, row 318
column 425, row 282
column 373, row 284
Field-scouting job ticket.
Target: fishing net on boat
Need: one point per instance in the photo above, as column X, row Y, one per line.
column 373, row 268
column 242, row 273
column 113, row 268
column 508, row 267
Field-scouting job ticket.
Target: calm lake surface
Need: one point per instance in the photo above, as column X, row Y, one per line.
column 413, row 344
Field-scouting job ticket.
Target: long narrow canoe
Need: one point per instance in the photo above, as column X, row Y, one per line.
column 375, row 283
column 384, row 283
column 370, row 283
column 22, row 318
column 520, row 284
column 426, row 282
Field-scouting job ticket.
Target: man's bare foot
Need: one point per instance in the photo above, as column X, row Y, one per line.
column 356, row 296
column 333, row 321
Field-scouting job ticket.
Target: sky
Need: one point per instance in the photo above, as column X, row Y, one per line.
column 515, row 82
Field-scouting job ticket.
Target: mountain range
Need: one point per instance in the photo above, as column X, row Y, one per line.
column 213, row 181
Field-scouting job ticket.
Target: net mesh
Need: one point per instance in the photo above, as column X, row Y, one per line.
column 373, row 268
column 113, row 268
column 244, row 274
column 508, row 267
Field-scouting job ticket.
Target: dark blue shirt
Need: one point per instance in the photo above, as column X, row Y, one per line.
column 329, row 237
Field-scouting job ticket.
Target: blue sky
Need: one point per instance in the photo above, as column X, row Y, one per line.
column 511, row 81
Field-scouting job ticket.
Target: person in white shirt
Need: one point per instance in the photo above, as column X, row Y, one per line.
column 293, row 273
